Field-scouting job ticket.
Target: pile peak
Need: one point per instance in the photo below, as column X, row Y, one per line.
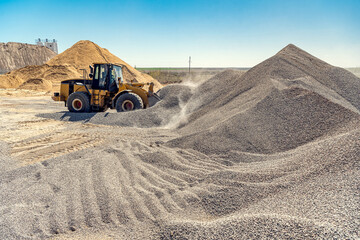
column 85, row 53
column 82, row 54
column 290, row 48
column 301, row 59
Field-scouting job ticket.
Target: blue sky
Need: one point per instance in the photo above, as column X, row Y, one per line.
column 215, row 33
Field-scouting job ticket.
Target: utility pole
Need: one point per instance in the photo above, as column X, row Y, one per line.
column 189, row 63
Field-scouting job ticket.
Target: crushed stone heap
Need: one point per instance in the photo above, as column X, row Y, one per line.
column 288, row 100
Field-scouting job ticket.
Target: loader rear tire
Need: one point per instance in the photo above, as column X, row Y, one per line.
column 129, row 102
column 79, row 102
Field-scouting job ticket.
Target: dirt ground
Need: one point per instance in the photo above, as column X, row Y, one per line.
column 31, row 138
column 32, row 141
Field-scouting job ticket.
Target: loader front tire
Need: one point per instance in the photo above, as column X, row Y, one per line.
column 129, row 102
column 79, row 102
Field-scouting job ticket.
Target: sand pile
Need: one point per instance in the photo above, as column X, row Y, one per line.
column 68, row 64
column 37, row 84
column 84, row 53
column 54, row 74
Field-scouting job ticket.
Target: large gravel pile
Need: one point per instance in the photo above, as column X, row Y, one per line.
column 286, row 101
column 269, row 154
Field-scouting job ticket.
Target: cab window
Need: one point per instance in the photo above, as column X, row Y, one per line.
column 102, row 77
column 96, row 76
column 118, row 72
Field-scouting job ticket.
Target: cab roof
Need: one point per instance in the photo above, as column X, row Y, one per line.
column 116, row 64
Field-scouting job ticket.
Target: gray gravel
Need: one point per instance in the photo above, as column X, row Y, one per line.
column 269, row 154
column 284, row 102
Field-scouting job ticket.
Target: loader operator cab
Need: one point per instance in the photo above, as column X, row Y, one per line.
column 106, row 76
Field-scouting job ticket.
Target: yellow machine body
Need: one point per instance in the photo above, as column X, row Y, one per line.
column 102, row 98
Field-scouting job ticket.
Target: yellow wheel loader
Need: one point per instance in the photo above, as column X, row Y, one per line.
column 105, row 89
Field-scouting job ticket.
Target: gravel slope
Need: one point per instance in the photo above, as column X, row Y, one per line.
column 271, row 153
